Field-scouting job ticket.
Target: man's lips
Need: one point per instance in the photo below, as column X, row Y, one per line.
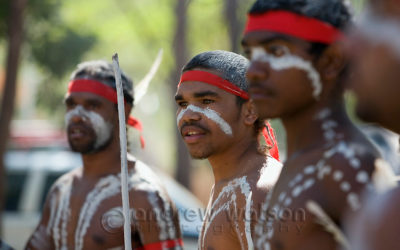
column 192, row 134
column 77, row 132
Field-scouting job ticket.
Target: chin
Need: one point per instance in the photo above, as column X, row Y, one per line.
column 200, row 155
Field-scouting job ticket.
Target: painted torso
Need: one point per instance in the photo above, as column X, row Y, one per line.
column 233, row 207
column 87, row 214
column 332, row 176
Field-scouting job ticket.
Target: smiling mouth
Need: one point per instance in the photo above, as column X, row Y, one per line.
column 192, row 134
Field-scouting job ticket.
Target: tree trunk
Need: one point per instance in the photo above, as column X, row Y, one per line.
column 184, row 167
column 15, row 33
column 233, row 22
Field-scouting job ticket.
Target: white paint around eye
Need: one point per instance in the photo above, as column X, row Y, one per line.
column 288, row 61
column 210, row 114
column 102, row 128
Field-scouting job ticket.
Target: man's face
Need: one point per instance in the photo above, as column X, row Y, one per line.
column 282, row 78
column 374, row 48
column 89, row 122
column 208, row 118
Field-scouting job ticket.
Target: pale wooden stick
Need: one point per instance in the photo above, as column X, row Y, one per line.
column 124, row 161
column 324, row 220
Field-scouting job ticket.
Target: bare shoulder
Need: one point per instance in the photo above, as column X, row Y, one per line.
column 146, row 188
column 343, row 173
column 63, row 181
column 378, row 223
column 267, row 178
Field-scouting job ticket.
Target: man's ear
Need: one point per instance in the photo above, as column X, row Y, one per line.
column 332, row 62
column 128, row 109
column 249, row 112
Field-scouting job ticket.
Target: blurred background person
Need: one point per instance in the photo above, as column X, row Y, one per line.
column 374, row 48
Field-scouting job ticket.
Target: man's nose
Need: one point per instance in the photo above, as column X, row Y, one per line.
column 188, row 115
column 257, row 71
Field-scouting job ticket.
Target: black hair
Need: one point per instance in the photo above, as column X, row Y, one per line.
column 338, row 13
column 103, row 71
column 231, row 66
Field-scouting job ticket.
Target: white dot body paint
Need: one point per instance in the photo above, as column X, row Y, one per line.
column 345, row 186
column 100, row 126
column 338, row 175
column 353, row 201
column 210, row 114
column 362, row 177
column 289, row 61
column 309, row 170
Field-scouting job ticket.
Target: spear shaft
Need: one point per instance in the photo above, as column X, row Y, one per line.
column 124, row 161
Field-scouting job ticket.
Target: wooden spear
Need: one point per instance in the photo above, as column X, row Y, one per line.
column 124, row 161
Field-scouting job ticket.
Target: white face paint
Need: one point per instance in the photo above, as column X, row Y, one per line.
column 380, row 30
column 101, row 128
column 288, row 61
column 210, row 114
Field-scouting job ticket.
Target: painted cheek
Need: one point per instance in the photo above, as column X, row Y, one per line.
column 290, row 61
column 210, row 114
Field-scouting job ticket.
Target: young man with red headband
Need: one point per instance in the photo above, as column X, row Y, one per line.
column 219, row 123
column 296, row 74
column 83, row 209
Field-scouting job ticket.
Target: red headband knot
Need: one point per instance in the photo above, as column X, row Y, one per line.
column 209, row 78
column 109, row 93
column 289, row 23
column 270, row 140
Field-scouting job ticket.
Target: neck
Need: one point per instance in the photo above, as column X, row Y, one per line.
column 106, row 161
column 304, row 130
column 237, row 160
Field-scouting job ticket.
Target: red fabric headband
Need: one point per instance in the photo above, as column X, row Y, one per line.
column 100, row 89
column 206, row 77
column 285, row 22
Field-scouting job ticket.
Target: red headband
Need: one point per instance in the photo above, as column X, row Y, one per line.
column 306, row 28
column 206, row 77
column 100, row 89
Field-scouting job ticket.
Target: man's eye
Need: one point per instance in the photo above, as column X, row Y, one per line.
column 70, row 105
column 278, row 50
column 247, row 53
column 182, row 104
column 93, row 105
column 208, row 101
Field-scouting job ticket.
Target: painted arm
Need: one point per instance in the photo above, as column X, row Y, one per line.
column 156, row 220
column 41, row 238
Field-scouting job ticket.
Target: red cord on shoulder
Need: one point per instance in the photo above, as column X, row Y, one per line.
column 162, row 245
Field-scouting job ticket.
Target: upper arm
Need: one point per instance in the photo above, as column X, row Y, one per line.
column 156, row 219
column 41, row 237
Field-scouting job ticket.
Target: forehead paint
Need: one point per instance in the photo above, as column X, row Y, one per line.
column 100, row 126
column 210, row 114
column 288, row 61
column 380, row 30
